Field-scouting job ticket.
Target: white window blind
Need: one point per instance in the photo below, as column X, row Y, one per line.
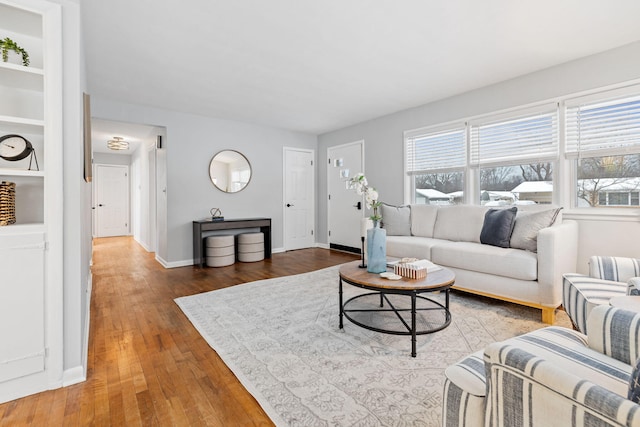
column 436, row 150
column 515, row 137
column 602, row 127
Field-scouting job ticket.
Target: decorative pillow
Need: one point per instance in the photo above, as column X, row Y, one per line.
column 498, row 226
column 396, row 220
column 528, row 224
column 634, row 383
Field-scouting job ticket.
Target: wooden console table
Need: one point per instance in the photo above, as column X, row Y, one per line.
column 199, row 227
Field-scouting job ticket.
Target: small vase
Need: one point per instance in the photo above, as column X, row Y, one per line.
column 376, row 249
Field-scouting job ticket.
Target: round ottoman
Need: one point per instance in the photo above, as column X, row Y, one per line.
column 250, row 247
column 220, row 250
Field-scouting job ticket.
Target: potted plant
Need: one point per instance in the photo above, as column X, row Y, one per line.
column 7, row 44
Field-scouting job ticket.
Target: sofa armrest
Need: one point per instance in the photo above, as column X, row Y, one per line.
column 524, row 389
column 615, row 332
column 557, row 254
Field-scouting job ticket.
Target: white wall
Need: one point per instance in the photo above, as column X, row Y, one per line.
column 77, row 201
column 384, row 136
column 191, row 141
column 111, row 159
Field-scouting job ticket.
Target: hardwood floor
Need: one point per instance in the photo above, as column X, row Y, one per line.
column 147, row 364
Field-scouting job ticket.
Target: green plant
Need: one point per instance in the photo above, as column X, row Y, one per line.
column 7, row 44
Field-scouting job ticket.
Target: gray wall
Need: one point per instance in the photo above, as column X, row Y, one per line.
column 384, row 136
column 191, row 142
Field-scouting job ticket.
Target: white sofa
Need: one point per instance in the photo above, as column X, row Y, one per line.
column 529, row 272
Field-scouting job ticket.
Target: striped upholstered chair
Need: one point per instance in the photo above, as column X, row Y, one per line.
column 552, row 377
column 608, row 277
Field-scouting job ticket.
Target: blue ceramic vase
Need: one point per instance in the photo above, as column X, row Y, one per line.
column 376, row 249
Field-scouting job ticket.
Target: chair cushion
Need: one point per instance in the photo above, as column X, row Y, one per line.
column 498, row 226
column 634, row 383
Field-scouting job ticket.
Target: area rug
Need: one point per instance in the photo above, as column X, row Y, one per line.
column 281, row 339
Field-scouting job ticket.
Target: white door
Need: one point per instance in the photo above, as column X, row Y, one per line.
column 112, row 200
column 345, row 205
column 298, row 198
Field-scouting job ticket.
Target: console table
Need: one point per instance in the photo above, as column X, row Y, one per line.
column 199, row 228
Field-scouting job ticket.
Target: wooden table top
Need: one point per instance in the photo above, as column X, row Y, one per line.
column 353, row 274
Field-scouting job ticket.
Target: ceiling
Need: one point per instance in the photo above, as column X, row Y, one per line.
column 317, row 66
column 134, row 134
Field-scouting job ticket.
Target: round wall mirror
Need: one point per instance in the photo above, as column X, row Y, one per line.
column 230, row 171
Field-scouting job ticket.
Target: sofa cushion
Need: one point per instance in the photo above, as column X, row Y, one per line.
column 505, row 262
column 411, row 246
column 527, row 226
column 423, row 219
column 459, row 223
column 498, row 226
column 396, row 220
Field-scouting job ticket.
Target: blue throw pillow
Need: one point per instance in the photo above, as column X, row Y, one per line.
column 634, row 383
column 498, row 226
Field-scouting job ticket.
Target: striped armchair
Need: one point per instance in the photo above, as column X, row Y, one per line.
column 608, row 277
column 552, row 377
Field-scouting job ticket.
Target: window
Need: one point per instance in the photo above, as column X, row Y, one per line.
column 603, row 139
column 515, row 155
column 435, row 160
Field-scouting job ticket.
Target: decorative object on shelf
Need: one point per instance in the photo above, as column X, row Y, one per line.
column 15, row 147
column 7, row 203
column 376, row 236
column 117, row 143
column 216, row 214
column 7, row 44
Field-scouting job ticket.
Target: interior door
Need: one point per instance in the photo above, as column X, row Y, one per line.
column 345, row 205
column 298, row 198
column 112, row 200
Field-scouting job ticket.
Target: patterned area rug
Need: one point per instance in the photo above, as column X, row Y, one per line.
column 281, row 339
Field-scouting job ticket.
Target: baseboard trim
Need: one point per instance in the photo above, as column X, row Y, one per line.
column 174, row 264
column 73, row 376
column 141, row 243
column 277, row 250
column 322, row 245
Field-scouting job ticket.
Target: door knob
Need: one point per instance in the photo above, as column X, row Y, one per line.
column 101, row 205
column 358, row 205
column 289, row 205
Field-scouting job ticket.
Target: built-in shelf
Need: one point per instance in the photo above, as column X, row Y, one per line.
column 22, row 68
column 20, row 172
column 7, row 230
column 35, row 124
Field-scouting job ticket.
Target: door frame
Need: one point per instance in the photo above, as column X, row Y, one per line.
column 94, row 184
column 284, row 192
column 328, row 164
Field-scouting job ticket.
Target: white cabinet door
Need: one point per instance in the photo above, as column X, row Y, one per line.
column 21, row 305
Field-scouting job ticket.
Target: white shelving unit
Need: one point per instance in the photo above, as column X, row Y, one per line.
column 31, row 291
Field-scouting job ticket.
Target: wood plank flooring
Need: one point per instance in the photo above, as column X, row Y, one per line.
column 147, row 365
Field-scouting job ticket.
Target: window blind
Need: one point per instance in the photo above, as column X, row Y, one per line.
column 515, row 137
column 602, row 127
column 436, row 150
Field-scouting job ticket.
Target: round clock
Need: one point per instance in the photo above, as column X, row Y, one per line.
column 14, row 147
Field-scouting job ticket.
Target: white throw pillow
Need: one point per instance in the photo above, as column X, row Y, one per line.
column 528, row 224
column 396, row 220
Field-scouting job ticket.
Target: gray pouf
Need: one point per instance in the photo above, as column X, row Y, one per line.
column 250, row 247
column 220, row 250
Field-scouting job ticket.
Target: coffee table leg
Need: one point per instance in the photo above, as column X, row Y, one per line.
column 340, row 294
column 381, row 303
column 413, row 324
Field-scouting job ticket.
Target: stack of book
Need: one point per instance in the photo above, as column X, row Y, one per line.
column 412, row 268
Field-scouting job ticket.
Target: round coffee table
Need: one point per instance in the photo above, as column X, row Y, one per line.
column 396, row 306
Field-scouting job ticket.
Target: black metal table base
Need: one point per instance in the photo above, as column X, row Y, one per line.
column 392, row 305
